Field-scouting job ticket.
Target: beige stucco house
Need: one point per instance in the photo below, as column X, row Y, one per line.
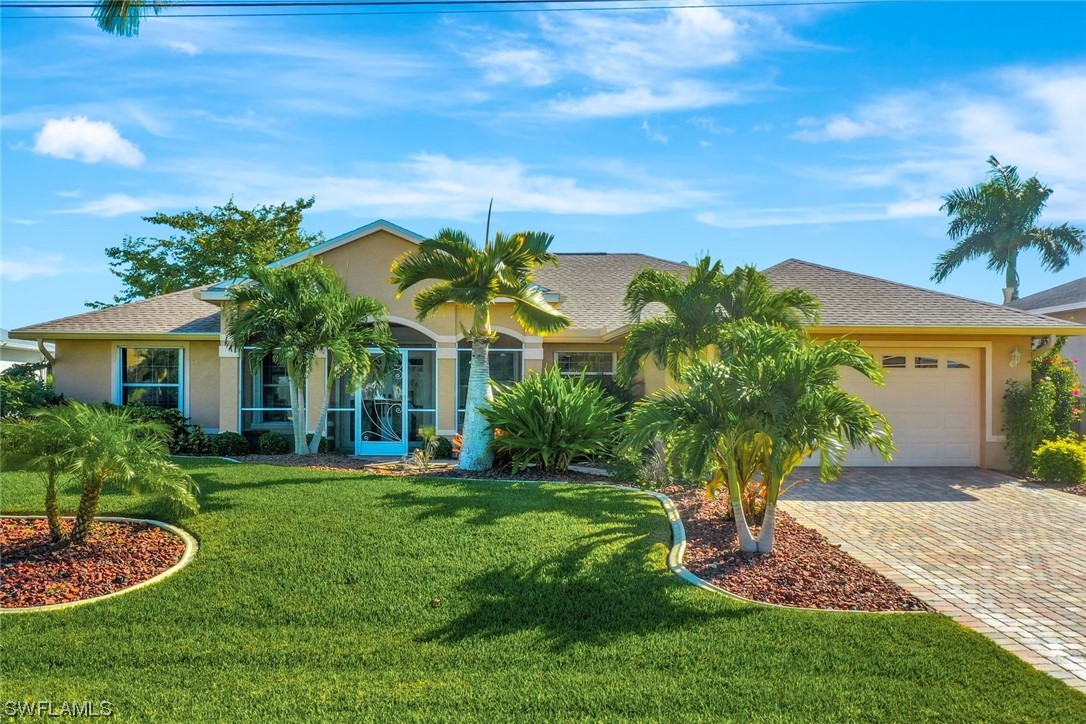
column 1067, row 301
column 946, row 358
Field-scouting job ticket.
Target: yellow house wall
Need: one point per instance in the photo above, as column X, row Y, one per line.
column 84, row 369
column 202, row 364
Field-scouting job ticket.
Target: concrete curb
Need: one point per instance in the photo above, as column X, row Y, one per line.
column 191, row 546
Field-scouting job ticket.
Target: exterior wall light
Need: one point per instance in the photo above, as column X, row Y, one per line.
column 1016, row 357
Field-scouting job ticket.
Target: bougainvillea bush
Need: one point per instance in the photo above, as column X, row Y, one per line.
column 1060, row 371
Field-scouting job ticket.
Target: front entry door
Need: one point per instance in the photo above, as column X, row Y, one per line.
column 381, row 414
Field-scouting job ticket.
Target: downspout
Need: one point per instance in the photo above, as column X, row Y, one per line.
column 45, row 352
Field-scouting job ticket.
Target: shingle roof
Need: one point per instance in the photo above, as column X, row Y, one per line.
column 1073, row 292
column 592, row 285
column 856, row 300
column 175, row 313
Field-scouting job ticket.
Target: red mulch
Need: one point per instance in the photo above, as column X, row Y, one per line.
column 804, row 569
column 115, row 556
column 1074, row 489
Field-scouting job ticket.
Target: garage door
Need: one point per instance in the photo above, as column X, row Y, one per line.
column 932, row 399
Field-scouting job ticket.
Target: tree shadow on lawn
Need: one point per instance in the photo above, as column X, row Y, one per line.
column 609, row 583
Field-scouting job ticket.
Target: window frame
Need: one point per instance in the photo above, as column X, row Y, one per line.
column 461, row 410
column 590, row 375
column 120, row 369
column 258, row 383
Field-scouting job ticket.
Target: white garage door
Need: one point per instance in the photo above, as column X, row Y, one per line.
column 932, row 399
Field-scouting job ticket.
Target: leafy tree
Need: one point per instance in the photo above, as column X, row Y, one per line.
column 212, row 246
column 997, row 219
column 110, row 447
column 772, row 402
column 23, row 390
column 696, row 310
column 292, row 313
column 471, row 276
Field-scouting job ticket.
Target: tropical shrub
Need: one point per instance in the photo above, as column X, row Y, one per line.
column 550, row 419
column 22, row 390
column 112, row 447
column 39, row 445
column 273, row 443
column 1027, row 420
column 229, row 444
column 1060, row 461
column 646, row 468
column 322, row 446
column 1067, row 404
column 194, row 442
column 443, row 448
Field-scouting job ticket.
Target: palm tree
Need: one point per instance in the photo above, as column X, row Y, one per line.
column 471, row 276
column 40, row 444
column 290, row 314
column 112, row 447
column 773, row 402
column 122, row 17
column 697, row 308
column 996, row 219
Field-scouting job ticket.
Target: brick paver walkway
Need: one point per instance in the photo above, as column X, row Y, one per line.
column 1004, row 558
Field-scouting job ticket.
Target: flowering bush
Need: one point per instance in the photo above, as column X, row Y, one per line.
column 1060, row 371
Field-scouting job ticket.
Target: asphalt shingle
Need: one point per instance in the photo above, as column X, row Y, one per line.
column 1073, row 292
column 175, row 313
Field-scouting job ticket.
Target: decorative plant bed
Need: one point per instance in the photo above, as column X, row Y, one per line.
column 804, row 570
column 1074, row 489
column 117, row 555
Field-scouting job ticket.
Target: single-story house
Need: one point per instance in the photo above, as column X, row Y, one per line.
column 1067, row 301
column 20, row 351
column 946, row 358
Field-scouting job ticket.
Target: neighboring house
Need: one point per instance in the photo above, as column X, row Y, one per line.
column 19, row 351
column 946, row 358
column 1067, row 301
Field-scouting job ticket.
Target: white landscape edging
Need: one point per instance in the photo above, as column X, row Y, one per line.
column 191, row 546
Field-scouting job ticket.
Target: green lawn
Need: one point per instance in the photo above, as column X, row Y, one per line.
column 311, row 596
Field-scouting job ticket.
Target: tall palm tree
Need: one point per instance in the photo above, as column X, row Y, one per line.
column 696, row 310
column 773, row 402
column 290, row 314
column 467, row 275
column 112, row 447
column 997, row 219
column 122, row 17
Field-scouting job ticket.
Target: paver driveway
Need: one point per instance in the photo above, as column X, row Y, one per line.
column 1005, row 558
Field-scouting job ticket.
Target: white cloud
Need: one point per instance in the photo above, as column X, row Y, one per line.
column 652, row 133
column 184, row 47
column 41, row 265
column 77, row 137
column 428, row 185
column 750, row 218
column 677, row 96
column 528, row 66
column 21, row 222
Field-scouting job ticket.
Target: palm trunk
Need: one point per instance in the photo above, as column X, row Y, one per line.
column 769, row 524
column 88, row 507
column 475, row 453
column 1010, row 292
column 735, row 497
column 52, row 508
column 322, row 421
column 300, row 422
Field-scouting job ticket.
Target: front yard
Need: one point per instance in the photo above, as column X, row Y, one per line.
column 319, row 593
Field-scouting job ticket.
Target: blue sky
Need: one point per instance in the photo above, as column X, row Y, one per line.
column 758, row 134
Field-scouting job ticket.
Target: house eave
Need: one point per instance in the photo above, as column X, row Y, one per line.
column 32, row 334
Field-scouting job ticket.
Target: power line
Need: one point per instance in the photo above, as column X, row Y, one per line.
column 72, row 4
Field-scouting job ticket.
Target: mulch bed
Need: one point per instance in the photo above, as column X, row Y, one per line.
column 115, row 556
column 1074, row 489
column 804, row 569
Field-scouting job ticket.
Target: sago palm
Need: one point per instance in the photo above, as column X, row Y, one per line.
column 112, row 447
column 696, row 309
column 997, row 219
column 771, row 403
column 465, row 274
column 292, row 313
